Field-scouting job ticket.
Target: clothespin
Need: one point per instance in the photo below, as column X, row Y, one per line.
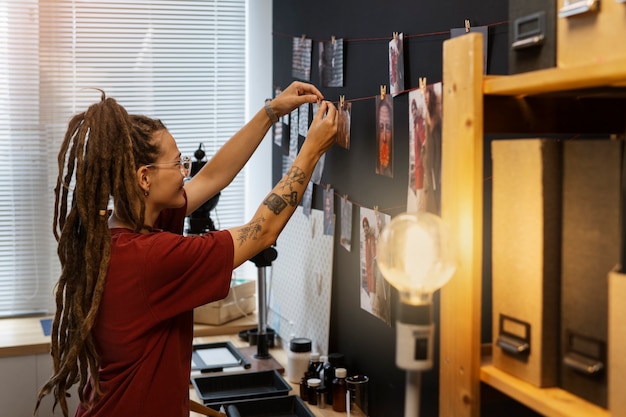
column 342, row 100
column 333, row 39
column 422, row 81
column 383, row 91
column 345, row 198
column 327, row 187
column 376, row 210
column 395, row 36
column 467, row 25
column 303, row 36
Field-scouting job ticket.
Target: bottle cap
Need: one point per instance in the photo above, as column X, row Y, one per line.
column 300, row 344
column 336, row 359
column 341, row 372
column 314, row 382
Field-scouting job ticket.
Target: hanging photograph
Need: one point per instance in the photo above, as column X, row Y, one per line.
column 303, row 119
column 417, row 140
column 396, row 64
column 374, row 289
column 432, row 149
column 345, row 239
column 384, row 135
column 307, row 199
column 343, row 124
column 301, row 58
column 329, row 211
column 331, row 63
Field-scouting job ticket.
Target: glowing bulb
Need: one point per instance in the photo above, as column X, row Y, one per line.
column 415, row 254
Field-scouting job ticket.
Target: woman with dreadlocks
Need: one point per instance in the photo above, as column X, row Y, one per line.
column 130, row 280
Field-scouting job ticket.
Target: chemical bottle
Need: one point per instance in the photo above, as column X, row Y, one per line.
column 335, row 360
column 339, row 390
column 314, row 363
column 313, row 384
column 298, row 358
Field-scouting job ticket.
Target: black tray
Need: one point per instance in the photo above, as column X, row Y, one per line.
column 234, row 359
column 221, row 388
column 287, row 406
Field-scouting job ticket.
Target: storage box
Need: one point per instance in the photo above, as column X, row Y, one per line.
column 239, row 302
column 590, row 32
column 617, row 341
column 592, row 171
column 532, row 35
column 217, row 390
column 526, row 258
column 291, row 405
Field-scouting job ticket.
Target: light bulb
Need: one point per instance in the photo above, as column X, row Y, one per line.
column 415, row 254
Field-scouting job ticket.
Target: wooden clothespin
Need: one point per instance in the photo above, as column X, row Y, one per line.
column 376, row 210
column 327, row 187
column 395, row 36
column 422, row 81
column 345, row 198
column 333, row 39
column 342, row 100
column 467, row 25
column 383, row 92
column 303, row 36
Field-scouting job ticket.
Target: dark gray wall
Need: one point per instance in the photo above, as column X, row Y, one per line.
column 367, row 26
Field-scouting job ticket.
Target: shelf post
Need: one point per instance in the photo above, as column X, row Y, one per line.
column 462, row 208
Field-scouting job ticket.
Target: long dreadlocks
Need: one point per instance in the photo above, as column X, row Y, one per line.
column 100, row 153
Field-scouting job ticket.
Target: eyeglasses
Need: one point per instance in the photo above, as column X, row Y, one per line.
column 184, row 164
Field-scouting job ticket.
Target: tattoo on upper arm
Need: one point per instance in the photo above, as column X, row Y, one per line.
column 275, row 203
column 250, row 231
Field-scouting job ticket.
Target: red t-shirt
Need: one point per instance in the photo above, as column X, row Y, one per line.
column 144, row 329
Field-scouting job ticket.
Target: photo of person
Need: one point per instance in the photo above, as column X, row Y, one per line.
column 384, row 136
column 343, row 124
column 329, row 211
column 432, row 148
column 301, row 58
column 345, row 238
column 396, row 64
column 417, row 139
column 374, row 289
column 331, row 63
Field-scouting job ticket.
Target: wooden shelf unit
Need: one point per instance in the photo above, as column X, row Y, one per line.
column 588, row 99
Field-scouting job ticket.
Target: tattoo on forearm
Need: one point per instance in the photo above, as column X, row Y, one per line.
column 275, row 203
column 251, row 231
column 294, row 175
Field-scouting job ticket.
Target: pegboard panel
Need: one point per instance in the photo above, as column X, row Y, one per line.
column 301, row 281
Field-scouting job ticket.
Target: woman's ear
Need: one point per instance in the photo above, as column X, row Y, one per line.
column 143, row 179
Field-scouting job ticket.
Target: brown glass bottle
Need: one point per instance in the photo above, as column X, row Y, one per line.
column 339, row 390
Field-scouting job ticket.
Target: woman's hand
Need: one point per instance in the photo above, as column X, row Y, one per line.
column 294, row 96
column 323, row 128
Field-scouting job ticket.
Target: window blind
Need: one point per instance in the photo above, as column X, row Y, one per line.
column 180, row 61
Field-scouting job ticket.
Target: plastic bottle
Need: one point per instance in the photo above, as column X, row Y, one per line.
column 339, row 389
column 298, row 358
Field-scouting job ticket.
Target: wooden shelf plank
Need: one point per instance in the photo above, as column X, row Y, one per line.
column 551, row 402
column 552, row 80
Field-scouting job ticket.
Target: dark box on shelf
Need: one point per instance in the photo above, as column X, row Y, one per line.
column 526, row 258
column 592, row 171
column 532, row 35
column 287, row 406
column 215, row 390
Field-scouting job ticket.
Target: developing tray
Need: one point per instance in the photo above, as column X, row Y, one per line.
column 219, row 389
column 287, row 406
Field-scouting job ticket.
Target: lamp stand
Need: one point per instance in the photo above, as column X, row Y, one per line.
column 262, row 260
